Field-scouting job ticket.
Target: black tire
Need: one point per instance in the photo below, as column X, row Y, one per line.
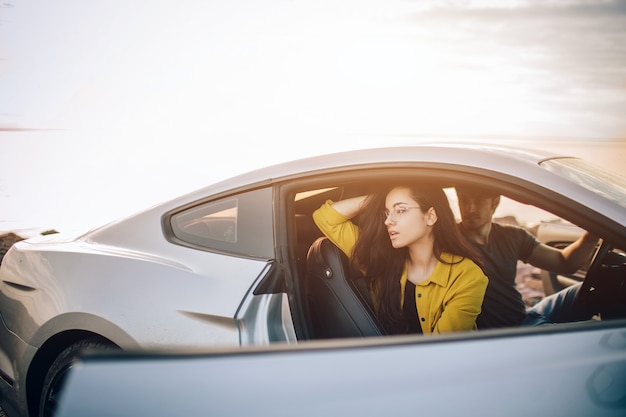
column 57, row 373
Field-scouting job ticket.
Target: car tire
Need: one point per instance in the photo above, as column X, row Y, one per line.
column 57, row 373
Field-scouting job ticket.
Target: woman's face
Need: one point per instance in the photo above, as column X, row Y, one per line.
column 406, row 224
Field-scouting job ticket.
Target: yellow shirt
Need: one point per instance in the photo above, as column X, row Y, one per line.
column 449, row 300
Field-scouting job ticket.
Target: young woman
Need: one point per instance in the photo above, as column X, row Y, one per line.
column 423, row 276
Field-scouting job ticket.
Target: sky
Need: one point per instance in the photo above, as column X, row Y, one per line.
column 107, row 108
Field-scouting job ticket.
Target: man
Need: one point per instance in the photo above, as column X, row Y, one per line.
column 501, row 246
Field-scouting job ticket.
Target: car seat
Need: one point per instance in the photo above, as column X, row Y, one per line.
column 306, row 233
column 339, row 302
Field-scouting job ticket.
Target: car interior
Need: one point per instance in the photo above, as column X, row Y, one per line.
column 336, row 301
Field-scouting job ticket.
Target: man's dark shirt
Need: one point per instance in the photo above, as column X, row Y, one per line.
column 503, row 305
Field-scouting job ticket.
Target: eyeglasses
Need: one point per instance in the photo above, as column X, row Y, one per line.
column 397, row 212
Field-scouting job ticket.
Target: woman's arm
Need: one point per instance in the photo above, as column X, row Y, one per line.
column 333, row 219
column 349, row 207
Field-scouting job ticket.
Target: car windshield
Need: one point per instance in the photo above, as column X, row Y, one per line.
column 594, row 178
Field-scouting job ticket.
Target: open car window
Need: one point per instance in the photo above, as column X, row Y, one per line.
column 517, row 207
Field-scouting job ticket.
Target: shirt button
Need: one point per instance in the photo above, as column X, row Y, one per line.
column 423, row 319
column 419, row 295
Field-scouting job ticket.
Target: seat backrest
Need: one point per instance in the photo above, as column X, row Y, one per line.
column 338, row 300
column 306, row 233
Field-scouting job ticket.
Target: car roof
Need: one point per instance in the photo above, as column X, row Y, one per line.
column 462, row 153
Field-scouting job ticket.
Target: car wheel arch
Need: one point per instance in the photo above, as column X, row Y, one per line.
column 67, row 323
column 45, row 357
column 56, row 335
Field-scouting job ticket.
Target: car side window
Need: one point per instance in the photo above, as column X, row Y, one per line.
column 240, row 224
column 213, row 221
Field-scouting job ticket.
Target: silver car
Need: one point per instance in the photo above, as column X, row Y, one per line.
column 226, row 266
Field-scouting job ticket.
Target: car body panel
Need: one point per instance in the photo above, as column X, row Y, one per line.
column 102, row 299
column 213, row 291
column 490, row 375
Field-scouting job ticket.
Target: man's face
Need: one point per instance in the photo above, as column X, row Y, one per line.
column 476, row 208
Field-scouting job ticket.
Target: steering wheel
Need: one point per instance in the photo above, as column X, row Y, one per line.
column 590, row 292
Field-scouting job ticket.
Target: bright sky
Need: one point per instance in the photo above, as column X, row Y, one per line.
column 128, row 103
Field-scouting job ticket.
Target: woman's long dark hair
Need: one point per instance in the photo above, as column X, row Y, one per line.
column 383, row 264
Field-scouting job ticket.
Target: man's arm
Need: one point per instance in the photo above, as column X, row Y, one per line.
column 567, row 260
